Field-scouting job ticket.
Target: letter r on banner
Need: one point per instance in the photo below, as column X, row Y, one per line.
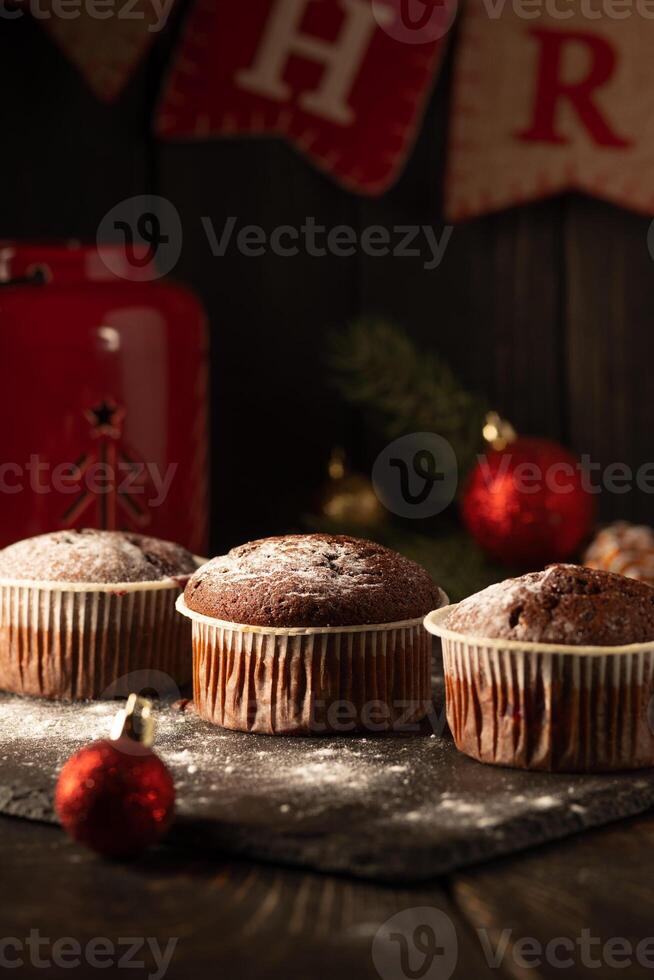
column 551, row 89
column 538, row 110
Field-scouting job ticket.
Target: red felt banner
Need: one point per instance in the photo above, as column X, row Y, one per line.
column 545, row 103
column 344, row 80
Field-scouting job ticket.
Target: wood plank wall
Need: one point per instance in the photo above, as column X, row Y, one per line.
column 546, row 308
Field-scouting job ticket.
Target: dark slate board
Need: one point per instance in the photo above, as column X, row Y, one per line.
column 388, row 807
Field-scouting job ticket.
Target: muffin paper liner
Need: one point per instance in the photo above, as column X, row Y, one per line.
column 548, row 706
column 77, row 641
column 310, row 681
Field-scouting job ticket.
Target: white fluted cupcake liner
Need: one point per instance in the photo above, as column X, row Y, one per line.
column 548, row 706
column 310, row 681
column 78, row 641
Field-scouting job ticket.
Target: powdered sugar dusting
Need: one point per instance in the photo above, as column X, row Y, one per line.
column 35, row 721
column 94, row 557
column 312, row 580
column 505, row 593
column 566, row 604
column 494, row 603
column 306, row 559
column 399, row 807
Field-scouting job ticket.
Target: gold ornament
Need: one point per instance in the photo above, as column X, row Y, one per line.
column 349, row 498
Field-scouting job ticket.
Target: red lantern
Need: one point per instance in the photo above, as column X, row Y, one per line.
column 103, row 395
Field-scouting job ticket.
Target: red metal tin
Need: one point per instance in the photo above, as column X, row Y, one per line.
column 103, row 388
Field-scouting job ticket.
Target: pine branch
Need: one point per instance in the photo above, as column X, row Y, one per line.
column 379, row 367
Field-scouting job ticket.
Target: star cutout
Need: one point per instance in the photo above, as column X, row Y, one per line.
column 106, row 418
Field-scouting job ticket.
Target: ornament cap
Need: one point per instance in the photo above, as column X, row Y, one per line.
column 336, row 465
column 134, row 721
column 498, row 432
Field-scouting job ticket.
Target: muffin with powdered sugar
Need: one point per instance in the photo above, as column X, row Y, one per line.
column 312, row 580
column 93, row 556
column 91, row 613
column 562, row 604
column 553, row 670
column 308, row 633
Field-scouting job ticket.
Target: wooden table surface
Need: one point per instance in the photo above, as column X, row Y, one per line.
column 236, row 920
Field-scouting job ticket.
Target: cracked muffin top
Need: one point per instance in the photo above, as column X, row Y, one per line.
column 566, row 604
column 311, row 580
column 95, row 557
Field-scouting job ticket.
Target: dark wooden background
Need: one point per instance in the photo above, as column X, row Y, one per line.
column 546, row 308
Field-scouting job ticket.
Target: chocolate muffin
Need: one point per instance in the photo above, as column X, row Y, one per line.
column 312, row 580
column 310, row 633
column 87, row 614
column 562, row 604
column 553, row 670
column 90, row 556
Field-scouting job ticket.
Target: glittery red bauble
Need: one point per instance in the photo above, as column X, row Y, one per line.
column 526, row 505
column 116, row 797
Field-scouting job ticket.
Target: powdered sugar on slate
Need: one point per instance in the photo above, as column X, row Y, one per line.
column 395, row 807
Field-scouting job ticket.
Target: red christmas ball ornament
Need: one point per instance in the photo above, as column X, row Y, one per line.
column 526, row 504
column 115, row 795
